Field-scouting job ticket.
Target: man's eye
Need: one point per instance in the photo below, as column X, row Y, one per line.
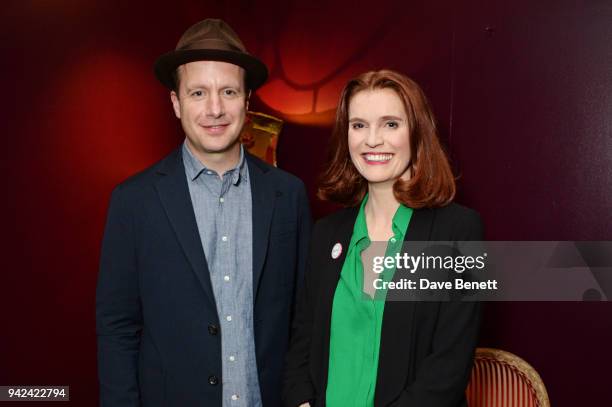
column 197, row 93
column 230, row 92
column 357, row 126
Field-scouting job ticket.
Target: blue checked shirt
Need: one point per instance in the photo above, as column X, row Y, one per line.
column 223, row 212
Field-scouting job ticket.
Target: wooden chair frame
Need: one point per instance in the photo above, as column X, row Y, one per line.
column 520, row 367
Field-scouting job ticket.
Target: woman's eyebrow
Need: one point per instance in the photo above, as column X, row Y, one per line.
column 391, row 117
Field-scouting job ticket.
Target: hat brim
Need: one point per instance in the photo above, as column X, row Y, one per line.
column 256, row 71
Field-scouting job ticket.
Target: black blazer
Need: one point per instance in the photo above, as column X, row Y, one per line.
column 426, row 348
column 159, row 337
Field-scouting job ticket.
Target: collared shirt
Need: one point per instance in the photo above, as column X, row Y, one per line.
column 357, row 319
column 223, row 212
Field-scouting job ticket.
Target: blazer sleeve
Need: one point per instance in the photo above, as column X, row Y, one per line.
column 443, row 375
column 297, row 385
column 118, row 311
column 304, row 232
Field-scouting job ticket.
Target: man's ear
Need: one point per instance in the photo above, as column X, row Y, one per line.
column 175, row 104
column 248, row 98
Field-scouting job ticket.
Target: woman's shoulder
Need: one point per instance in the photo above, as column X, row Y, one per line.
column 337, row 218
column 455, row 211
column 339, row 215
column 462, row 222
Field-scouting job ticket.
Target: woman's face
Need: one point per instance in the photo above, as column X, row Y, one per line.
column 378, row 135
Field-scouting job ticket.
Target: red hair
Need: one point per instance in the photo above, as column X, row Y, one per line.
column 431, row 182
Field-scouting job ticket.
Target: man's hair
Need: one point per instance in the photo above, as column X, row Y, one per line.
column 175, row 80
column 431, row 182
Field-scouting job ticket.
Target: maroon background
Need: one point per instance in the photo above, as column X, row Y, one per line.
column 521, row 90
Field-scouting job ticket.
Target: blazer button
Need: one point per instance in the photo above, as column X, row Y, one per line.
column 213, row 329
column 213, row 380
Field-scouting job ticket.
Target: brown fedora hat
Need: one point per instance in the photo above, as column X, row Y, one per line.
column 210, row 40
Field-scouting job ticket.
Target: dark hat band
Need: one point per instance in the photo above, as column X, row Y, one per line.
column 210, row 44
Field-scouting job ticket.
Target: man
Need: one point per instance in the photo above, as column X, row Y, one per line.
column 203, row 251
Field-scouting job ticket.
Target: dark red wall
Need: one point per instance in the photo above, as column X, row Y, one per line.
column 521, row 90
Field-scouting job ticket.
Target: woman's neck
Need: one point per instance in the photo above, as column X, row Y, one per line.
column 379, row 211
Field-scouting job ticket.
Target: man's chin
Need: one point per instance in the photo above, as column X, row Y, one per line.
column 221, row 148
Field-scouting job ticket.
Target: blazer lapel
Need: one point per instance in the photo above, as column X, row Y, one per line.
column 330, row 274
column 419, row 229
column 174, row 195
column 263, row 196
column 397, row 329
column 341, row 235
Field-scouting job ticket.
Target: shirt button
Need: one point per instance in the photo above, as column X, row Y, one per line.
column 234, row 397
column 226, row 278
column 224, row 238
column 229, row 317
column 393, row 240
column 213, row 380
column 209, row 172
column 221, row 200
column 232, row 358
column 213, row 329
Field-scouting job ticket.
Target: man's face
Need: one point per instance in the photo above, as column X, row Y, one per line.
column 211, row 104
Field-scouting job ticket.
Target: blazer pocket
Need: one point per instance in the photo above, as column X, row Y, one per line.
column 152, row 387
column 283, row 229
column 152, row 376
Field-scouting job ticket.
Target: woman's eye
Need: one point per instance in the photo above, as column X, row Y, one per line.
column 230, row 92
column 393, row 125
column 356, row 126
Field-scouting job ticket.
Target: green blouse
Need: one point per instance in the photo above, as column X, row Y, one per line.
column 357, row 319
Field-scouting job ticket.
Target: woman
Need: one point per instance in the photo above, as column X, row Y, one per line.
column 388, row 168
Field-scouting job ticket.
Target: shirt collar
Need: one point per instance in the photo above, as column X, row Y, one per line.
column 360, row 230
column 401, row 219
column 400, row 222
column 194, row 168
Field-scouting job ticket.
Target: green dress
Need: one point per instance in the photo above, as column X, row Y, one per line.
column 357, row 319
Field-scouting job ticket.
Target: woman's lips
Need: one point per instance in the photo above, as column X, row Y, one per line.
column 377, row 158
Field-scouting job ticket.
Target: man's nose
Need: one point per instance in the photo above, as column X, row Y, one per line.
column 214, row 106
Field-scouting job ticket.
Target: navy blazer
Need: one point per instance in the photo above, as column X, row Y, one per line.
column 158, row 330
column 426, row 348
